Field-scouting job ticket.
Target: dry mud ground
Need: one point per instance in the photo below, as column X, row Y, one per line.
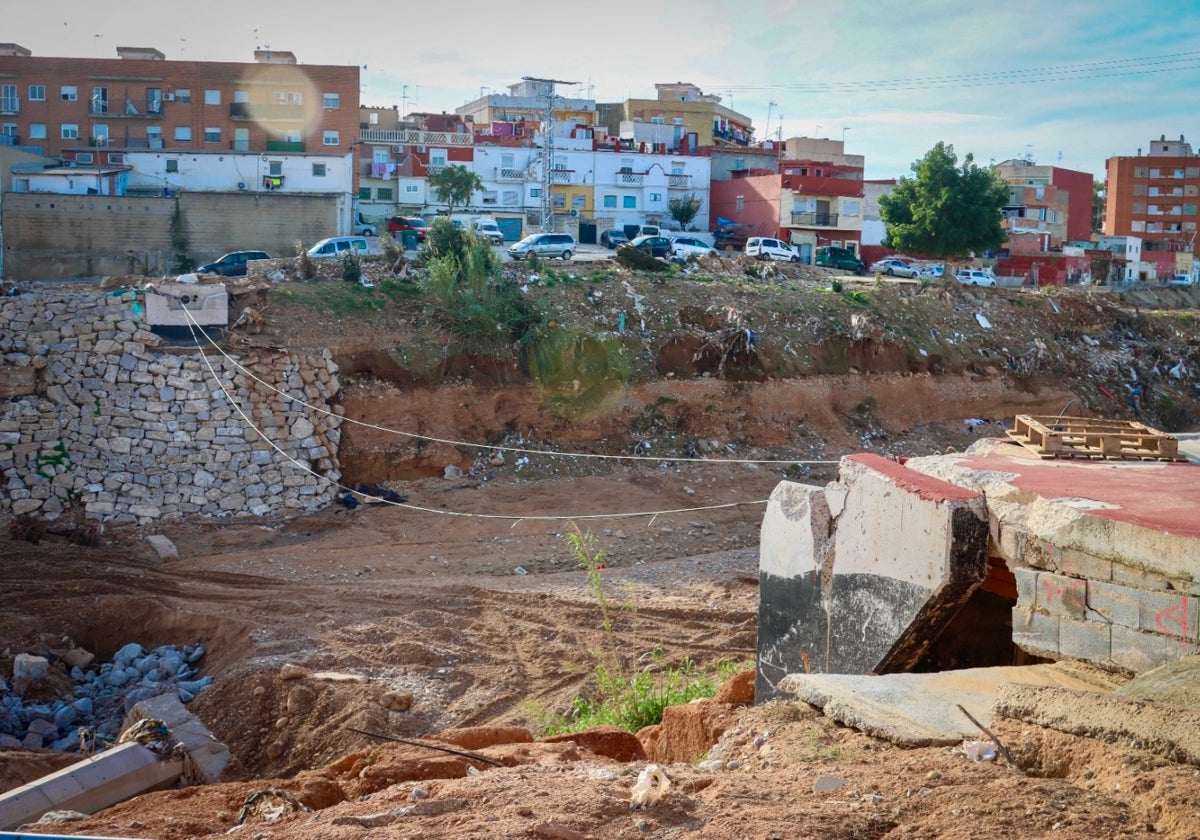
column 431, row 605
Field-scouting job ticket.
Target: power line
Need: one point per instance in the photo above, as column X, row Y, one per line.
column 450, row 442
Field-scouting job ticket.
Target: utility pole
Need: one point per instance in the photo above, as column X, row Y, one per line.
column 547, row 143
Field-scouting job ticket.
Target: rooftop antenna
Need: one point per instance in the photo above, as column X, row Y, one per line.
column 767, row 127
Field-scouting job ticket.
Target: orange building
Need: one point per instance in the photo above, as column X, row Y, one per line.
column 141, row 100
column 1155, row 197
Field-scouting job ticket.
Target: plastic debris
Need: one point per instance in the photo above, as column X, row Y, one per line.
column 652, row 786
column 983, row 322
column 979, row 750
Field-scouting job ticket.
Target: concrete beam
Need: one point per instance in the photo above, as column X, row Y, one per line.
column 862, row 575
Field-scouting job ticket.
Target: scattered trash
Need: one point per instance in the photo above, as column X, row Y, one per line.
column 979, row 750
column 983, row 322
column 1054, row 306
column 652, row 785
column 975, row 422
column 521, row 570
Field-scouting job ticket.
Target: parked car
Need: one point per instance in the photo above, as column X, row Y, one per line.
column 690, row 246
column 765, row 248
column 1182, row 280
column 487, row 228
column 336, row 246
column 893, row 267
column 232, row 264
column 396, row 224
column 933, row 271
column 731, row 237
column 613, row 238
column 974, row 277
column 650, row 230
column 362, row 227
column 544, row 245
column 844, row 259
column 655, row 246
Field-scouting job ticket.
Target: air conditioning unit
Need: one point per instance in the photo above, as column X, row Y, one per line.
column 397, row 150
column 281, row 96
column 241, row 185
column 168, row 97
column 421, row 149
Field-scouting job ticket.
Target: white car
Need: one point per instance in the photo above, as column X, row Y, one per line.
column 1182, row 280
column 689, row 246
column 933, row 271
column 974, row 277
column 765, row 248
column 894, row 268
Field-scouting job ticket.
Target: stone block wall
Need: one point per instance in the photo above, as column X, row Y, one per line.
column 104, row 416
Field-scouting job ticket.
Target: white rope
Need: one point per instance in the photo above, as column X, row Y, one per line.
column 376, row 499
column 517, row 449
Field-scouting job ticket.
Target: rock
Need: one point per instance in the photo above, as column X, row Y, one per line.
column 292, row 672
column 451, row 471
column 57, row 817
column 163, row 547
column 302, row 429
column 28, row 668
column 77, row 658
column 397, row 701
column 478, row 737
column 300, row 700
column 609, row 741
column 43, row 728
column 738, row 690
column 686, row 731
column 825, row 783
column 128, row 654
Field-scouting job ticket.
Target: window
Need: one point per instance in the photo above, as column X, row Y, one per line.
column 331, row 100
column 1139, row 207
column 1189, row 209
column 656, row 196
column 558, row 200
column 70, row 93
column 364, row 193
column 629, row 202
column 172, row 164
column 437, row 157
column 1192, row 171
column 1154, row 191
column 100, row 135
column 536, row 192
column 330, row 138
column 373, row 118
column 506, row 161
column 212, row 97
column 37, row 131
column 153, row 101
column 275, row 168
column 8, row 129
column 37, row 93
column 116, row 157
column 291, row 136
column 1154, row 173
column 318, row 170
column 739, row 163
column 610, row 201
column 578, row 201
column 154, row 136
column 741, row 203
column 183, row 134
column 677, row 120
column 84, row 157
column 850, row 208
column 412, row 189
column 383, row 193
column 70, row 131
column 656, row 120
column 212, row 135
column 510, row 197
column 183, row 95
column 1178, row 173
column 489, row 196
column 1140, row 189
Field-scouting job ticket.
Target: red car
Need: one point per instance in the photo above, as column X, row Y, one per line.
column 399, row 223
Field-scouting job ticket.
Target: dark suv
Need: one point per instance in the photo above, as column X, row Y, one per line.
column 232, row 264
column 400, row 223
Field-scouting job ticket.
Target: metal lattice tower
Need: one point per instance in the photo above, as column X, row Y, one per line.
column 547, row 143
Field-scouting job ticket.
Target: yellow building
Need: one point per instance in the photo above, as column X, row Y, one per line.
column 680, row 109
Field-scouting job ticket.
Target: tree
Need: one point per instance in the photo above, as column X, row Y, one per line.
column 683, row 210
column 1099, row 196
column 945, row 210
column 453, row 186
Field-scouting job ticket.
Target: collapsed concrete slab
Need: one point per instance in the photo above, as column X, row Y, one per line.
column 921, row 710
column 1105, row 555
column 859, row 576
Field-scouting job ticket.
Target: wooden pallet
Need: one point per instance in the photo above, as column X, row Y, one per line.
column 1083, row 437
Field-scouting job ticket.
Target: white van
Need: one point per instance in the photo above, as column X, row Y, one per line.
column 336, row 246
column 486, row 227
column 766, row 248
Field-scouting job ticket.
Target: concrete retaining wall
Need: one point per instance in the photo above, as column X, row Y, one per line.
column 860, row 576
column 105, row 416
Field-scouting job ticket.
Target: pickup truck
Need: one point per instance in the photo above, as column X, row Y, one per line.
column 731, row 237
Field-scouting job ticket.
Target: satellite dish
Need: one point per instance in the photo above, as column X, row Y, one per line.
column 574, row 212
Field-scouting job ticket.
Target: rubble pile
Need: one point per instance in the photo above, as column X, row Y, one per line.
column 64, row 702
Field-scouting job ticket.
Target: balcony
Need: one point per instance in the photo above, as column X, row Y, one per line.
column 630, row 177
column 815, row 219
column 560, row 176
column 269, row 112
column 10, row 140
column 434, row 168
column 410, row 137
column 285, row 146
column 506, row 173
column 98, row 106
column 679, row 182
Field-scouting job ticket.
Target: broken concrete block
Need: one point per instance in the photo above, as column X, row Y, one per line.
column 868, row 590
column 163, row 547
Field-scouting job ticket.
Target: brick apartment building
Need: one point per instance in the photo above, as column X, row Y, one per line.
column 1155, row 197
column 60, row 106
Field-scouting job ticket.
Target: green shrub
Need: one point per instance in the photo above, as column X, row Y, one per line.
column 836, row 285
column 390, row 248
column 306, row 264
column 351, row 267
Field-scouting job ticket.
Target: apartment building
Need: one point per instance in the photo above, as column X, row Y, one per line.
column 1063, row 202
column 1155, row 196
column 141, row 100
column 679, row 111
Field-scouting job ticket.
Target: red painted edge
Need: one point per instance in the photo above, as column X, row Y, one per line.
column 925, row 486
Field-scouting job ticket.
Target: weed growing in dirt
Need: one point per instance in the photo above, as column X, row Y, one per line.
column 308, row 268
column 623, row 698
column 351, row 267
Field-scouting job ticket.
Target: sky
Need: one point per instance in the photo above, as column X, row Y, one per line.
column 1069, row 83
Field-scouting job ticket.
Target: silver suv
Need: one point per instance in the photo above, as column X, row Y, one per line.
column 544, row 245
